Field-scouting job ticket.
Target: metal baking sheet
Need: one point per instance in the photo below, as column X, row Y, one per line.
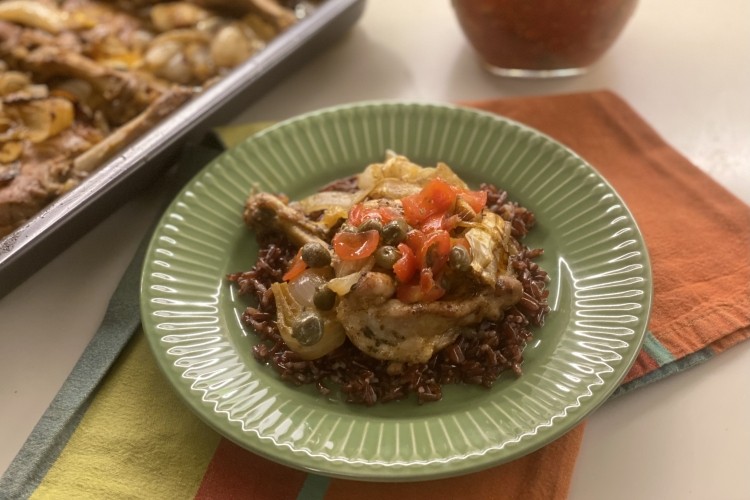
column 63, row 221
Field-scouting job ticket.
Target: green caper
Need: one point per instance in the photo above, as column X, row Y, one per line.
column 459, row 258
column 386, row 256
column 347, row 228
column 324, row 298
column 315, row 254
column 395, row 232
column 371, row 224
column 308, row 329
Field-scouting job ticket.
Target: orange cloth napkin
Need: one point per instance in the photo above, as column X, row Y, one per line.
column 697, row 233
column 698, row 237
column 701, row 306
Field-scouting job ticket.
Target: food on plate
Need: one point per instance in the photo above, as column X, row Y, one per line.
column 80, row 79
column 395, row 281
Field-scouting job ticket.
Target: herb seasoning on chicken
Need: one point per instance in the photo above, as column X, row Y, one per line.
column 403, row 282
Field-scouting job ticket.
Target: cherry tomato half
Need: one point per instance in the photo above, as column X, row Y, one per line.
column 436, row 197
column 359, row 214
column 355, row 246
column 297, row 267
column 405, row 267
column 426, row 290
column 434, row 252
column 476, row 199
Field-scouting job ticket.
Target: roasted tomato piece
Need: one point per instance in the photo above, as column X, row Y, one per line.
column 405, row 267
column 298, row 267
column 355, row 246
column 477, row 200
column 436, row 197
column 359, row 213
column 426, row 290
column 440, row 221
column 435, row 250
column 415, row 239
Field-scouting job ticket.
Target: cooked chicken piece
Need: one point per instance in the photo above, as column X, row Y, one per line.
column 40, row 174
column 266, row 213
column 120, row 95
column 388, row 329
column 270, row 11
column 20, row 198
column 156, row 111
column 50, row 138
column 50, row 161
column 103, row 73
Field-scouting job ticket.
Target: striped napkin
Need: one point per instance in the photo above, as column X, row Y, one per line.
column 117, row 429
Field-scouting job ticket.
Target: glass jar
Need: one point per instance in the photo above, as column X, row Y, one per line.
column 542, row 38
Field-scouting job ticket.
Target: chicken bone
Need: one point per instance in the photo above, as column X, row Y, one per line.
column 266, row 213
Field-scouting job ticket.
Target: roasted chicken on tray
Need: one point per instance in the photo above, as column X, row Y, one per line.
column 80, row 79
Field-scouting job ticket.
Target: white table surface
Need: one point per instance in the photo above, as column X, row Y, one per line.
column 684, row 65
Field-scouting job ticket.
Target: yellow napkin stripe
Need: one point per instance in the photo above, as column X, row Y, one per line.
column 155, row 437
column 231, row 135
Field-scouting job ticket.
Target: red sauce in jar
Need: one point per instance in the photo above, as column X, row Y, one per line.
column 542, row 34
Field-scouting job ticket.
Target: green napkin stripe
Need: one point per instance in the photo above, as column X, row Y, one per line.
column 665, row 370
column 656, row 350
column 231, row 135
column 314, row 487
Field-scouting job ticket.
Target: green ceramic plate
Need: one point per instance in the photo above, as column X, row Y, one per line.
column 594, row 252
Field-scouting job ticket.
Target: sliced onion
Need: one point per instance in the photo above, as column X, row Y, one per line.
column 231, row 46
column 401, row 169
column 288, row 311
column 34, row 14
column 344, row 284
column 13, row 81
column 335, row 205
column 182, row 37
column 349, row 273
column 44, row 118
column 394, row 189
column 10, row 151
column 200, row 60
column 344, row 267
column 488, row 244
column 39, row 91
column 176, row 69
column 327, row 200
column 303, row 287
column 175, row 15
